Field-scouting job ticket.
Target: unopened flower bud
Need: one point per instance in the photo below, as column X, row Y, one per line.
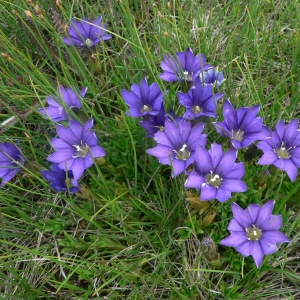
column 38, row 10
column 28, row 13
column 210, row 251
column 5, row 55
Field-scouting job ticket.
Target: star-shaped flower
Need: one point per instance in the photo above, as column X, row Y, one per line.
column 76, row 147
column 199, row 101
column 87, row 33
column 143, row 99
column 57, row 110
column 184, row 66
column 255, row 231
column 283, row 149
column 177, row 144
column 216, row 174
column 242, row 126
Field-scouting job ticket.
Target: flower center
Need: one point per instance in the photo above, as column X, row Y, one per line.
column 146, row 108
column 88, row 42
column 197, row 109
column 82, row 150
column 253, row 233
column 183, row 153
column 187, row 76
column 282, row 152
column 237, row 135
column 214, row 179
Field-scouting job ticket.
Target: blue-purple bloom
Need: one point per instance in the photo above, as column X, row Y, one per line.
column 212, row 76
column 11, row 161
column 255, row 231
column 61, row 180
column 143, row 99
column 242, row 126
column 199, row 101
column 87, row 33
column 216, row 174
column 184, row 66
column 283, row 148
column 153, row 124
column 57, row 110
column 177, row 144
column 76, row 147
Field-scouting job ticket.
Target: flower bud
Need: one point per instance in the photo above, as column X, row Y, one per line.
column 210, row 251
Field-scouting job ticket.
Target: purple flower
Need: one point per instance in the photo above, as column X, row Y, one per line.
column 255, row 231
column 283, row 148
column 56, row 111
column 216, row 174
column 153, row 124
column 76, row 147
column 11, row 161
column 199, row 101
column 143, row 99
column 61, row 180
column 242, row 126
column 177, row 144
column 184, row 66
column 212, row 76
column 86, row 33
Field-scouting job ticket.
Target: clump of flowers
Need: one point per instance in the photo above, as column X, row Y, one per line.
column 87, row 33
column 56, row 110
column 11, row 161
column 283, row 149
column 180, row 143
column 255, row 231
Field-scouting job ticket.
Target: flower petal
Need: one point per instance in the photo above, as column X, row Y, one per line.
column 194, row 181
column 235, row 226
column 208, row 192
column 236, row 239
column 265, row 214
column 241, row 216
column 257, row 253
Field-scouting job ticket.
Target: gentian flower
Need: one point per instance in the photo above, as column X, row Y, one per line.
column 61, row 180
column 87, row 33
column 255, row 231
column 212, row 76
column 56, row 111
column 153, row 124
column 184, row 66
column 76, row 147
column 283, row 148
column 11, row 161
column 143, row 99
column 177, row 144
column 216, row 174
column 242, row 126
column 199, row 101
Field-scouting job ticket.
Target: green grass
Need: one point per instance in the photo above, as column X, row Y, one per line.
column 135, row 236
